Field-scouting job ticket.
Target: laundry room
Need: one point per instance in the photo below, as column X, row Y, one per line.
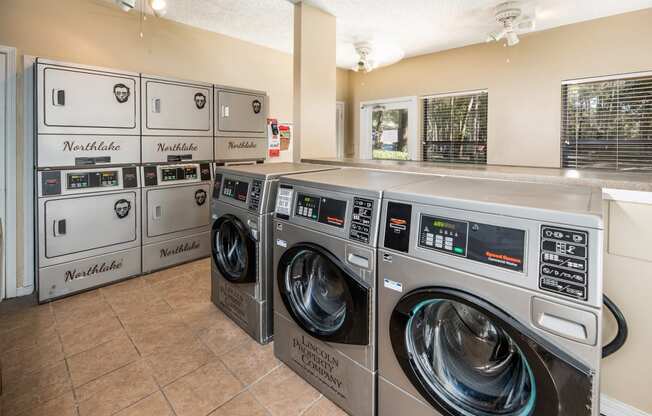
column 325, row 208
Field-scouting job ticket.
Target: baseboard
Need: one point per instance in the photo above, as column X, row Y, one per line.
column 612, row 407
column 24, row 291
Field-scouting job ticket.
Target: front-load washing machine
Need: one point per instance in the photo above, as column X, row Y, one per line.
column 88, row 229
column 325, row 233
column 176, row 214
column 490, row 298
column 243, row 205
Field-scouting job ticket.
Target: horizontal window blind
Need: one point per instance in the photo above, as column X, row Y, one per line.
column 607, row 124
column 455, row 128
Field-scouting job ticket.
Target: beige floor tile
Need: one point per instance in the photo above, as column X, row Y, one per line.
column 170, row 362
column 140, row 316
column 100, row 360
column 187, row 290
column 243, row 404
column 200, row 316
column 91, row 335
column 166, row 275
column 27, row 336
column 324, row 407
column 251, row 361
column 154, row 336
column 80, row 310
column 135, row 302
column 116, row 391
column 63, row 405
column 34, row 389
column 25, row 313
column 223, row 336
column 203, row 390
column 154, row 405
column 16, row 362
column 284, row 393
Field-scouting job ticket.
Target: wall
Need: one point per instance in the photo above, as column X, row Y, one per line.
column 523, row 81
column 343, row 93
column 95, row 32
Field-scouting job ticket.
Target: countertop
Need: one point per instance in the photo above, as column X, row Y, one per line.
column 631, row 181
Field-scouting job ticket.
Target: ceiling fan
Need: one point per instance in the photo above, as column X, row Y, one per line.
column 365, row 61
column 510, row 16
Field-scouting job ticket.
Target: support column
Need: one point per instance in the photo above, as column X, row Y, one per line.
column 314, row 83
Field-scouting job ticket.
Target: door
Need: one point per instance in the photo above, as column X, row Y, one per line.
column 323, row 296
column 467, row 358
column 87, row 102
column 340, row 125
column 388, row 130
column 175, row 209
column 242, row 113
column 78, row 224
column 3, row 141
column 177, row 108
column 233, row 250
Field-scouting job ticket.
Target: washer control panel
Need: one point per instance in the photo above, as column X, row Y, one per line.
column 361, row 219
column 255, row 194
column 564, row 261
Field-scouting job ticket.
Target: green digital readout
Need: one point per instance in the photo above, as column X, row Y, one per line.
column 444, row 224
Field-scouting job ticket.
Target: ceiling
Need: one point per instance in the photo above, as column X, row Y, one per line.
column 413, row 27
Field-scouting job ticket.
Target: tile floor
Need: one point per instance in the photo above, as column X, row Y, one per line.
column 153, row 345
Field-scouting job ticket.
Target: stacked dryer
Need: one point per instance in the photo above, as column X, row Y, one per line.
column 240, row 125
column 87, row 151
column 177, row 147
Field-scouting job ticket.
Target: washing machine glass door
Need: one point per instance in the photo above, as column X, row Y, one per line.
column 323, row 296
column 468, row 358
column 234, row 251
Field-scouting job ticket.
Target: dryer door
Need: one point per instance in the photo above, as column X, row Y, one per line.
column 233, row 249
column 467, row 357
column 323, row 295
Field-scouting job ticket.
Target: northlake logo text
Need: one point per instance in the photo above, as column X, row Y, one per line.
column 103, row 267
column 94, row 146
column 181, row 248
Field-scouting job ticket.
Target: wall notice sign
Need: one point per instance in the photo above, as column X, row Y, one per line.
column 273, row 137
column 285, row 134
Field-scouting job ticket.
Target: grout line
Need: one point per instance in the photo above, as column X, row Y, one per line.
column 312, row 404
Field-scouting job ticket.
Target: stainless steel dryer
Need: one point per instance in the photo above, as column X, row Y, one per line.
column 176, row 214
column 242, row 274
column 177, row 120
column 86, row 115
column 240, row 124
column 490, row 299
column 88, row 229
column 325, row 232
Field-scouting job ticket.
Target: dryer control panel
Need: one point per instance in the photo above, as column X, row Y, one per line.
column 76, row 181
column 154, row 175
column 564, row 261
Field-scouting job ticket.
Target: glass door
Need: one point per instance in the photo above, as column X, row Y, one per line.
column 389, row 130
column 233, row 250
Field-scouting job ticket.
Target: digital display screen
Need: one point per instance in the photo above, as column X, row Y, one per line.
column 168, row 174
column 324, row 210
column 92, row 179
column 190, row 172
column 444, row 234
column 235, row 189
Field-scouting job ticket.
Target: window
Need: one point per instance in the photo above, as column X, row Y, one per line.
column 607, row 123
column 455, row 127
column 388, row 129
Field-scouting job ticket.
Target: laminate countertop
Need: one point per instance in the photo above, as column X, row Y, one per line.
column 631, row 181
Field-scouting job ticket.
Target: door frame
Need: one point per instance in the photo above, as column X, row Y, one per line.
column 8, row 179
column 366, row 107
column 340, row 113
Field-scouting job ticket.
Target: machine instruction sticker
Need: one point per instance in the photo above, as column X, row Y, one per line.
column 281, row 243
column 319, row 361
column 393, row 285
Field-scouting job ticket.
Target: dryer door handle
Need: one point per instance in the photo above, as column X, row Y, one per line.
column 156, row 105
column 158, row 212
column 59, row 228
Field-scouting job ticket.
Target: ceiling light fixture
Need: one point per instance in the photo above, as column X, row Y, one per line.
column 509, row 15
column 159, row 7
column 365, row 62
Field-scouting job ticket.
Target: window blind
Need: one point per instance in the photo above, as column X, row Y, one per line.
column 455, row 128
column 607, row 123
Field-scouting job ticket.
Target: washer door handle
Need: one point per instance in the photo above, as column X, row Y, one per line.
column 358, row 260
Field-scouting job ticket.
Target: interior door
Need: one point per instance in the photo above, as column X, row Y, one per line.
column 78, row 224
column 323, row 296
column 178, row 208
column 468, row 358
column 242, row 112
column 233, row 250
column 87, row 99
column 3, row 140
column 178, row 107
